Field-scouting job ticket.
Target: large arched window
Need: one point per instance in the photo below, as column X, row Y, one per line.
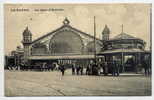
column 66, row 42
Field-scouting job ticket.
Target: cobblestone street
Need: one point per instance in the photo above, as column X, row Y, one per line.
column 30, row 83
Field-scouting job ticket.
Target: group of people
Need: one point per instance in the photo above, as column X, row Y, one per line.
column 77, row 69
column 95, row 68
column 40, row 66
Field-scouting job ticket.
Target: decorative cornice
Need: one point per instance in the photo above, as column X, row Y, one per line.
column 60, row 28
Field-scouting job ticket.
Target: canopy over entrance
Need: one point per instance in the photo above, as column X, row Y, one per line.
column 61, row 57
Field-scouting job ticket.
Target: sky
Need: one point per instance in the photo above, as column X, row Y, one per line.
column 134, row 17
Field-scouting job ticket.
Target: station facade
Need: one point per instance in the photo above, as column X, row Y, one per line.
column 67, row 45
column 63, row 45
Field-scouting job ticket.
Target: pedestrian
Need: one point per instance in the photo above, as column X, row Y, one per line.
column 87, row 69
column 81, row 70
column 73, row 69
column 105, row 68
column 113, row 67
column 146, row 68
column 62, row 69
column 77, row 69
column 50, row 67
column 117, row 67
column 94, row 68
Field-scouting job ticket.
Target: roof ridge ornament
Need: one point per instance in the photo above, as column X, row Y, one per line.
column 27, row 31
column 66, row 21
column 106, row 26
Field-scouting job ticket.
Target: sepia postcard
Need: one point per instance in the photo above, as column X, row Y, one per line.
column 78, row 49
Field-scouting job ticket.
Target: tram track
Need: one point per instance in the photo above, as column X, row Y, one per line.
column 45, row 85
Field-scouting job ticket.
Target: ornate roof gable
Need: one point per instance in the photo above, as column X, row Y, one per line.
column 64, row 27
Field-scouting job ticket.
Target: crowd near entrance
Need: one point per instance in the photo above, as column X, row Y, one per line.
column 101, row 66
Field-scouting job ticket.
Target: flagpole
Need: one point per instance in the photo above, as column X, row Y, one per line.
column 94, row 40
column 122, row 54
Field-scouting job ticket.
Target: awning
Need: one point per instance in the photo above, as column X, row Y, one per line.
column 122, row 51
column 62, row 57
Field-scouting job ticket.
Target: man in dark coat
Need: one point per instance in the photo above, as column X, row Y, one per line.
column 81, row 70
column 62, row 69
column 73, row 69
column 105, row 68
column 146, row 68
column 117, row 68
column 77, row 69
column 87, row 69
column 94, row 69
column 113, row 68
